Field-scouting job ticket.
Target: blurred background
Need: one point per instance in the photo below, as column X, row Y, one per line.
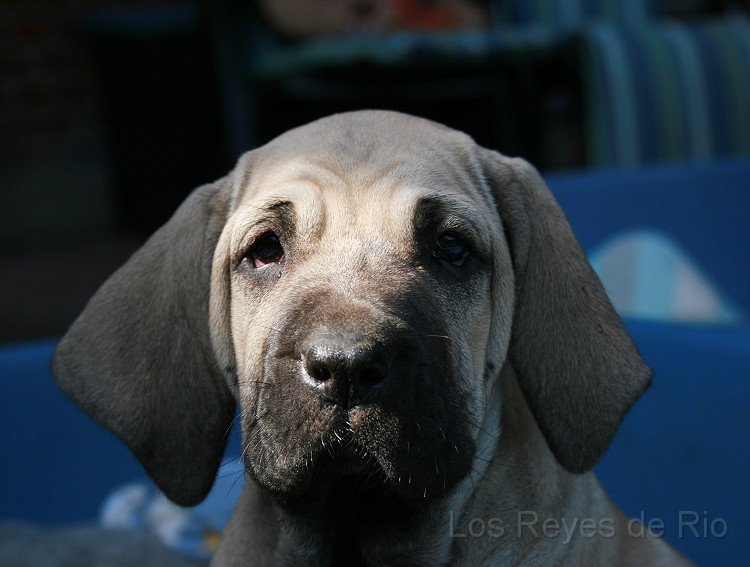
column 636, row 111
column 112, row 111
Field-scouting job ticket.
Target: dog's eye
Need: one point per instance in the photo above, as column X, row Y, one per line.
column 266, row 250
column 451, row 248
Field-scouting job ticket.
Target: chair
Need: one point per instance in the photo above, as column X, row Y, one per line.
column 444, row 75
column 666, row 91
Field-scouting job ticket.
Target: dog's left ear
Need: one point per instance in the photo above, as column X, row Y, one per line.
column 139, row 359
column 576, row 364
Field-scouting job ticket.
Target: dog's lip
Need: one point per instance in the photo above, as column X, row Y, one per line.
column 358, row 414
column 339, row 456
column 341, row 453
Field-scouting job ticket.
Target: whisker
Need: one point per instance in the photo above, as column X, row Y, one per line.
column 471, row 480
column 485, row 478
column 492, row 462
column 442, row 432
column 223, row 476
column 240, row 475
column 259, row 382
column 274, row 329
column 244, row 451
column 229, row 429
column 479, row 427
column 227, row 463
column 255, row 421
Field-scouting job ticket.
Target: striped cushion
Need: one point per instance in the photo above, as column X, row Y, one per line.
column 570, row 14
column 667, row 92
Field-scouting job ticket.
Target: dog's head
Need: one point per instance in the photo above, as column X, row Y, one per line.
column 356, row 286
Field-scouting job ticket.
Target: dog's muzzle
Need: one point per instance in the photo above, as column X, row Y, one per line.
column 353, row 391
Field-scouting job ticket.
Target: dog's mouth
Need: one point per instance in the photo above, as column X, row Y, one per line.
column 335, row 455
column 343, row 457
column 366, row 446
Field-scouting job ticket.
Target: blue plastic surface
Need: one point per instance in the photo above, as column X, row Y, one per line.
column 57, row 463
column 704, row 206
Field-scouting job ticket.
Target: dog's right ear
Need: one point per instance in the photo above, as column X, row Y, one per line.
column 140, row 361
column 577, row 367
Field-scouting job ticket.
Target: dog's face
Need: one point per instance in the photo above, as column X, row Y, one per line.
column 360, row 299
column 356, row 286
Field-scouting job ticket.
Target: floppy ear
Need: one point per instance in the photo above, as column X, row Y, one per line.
column 577, row 367
column 139, row 358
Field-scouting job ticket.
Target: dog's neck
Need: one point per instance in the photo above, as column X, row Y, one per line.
column 522, row 487
column 352, row 523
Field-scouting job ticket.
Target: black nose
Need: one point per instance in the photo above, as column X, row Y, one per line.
column 345, row 371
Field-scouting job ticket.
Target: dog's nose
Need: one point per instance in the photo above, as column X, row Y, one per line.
column 345, row 372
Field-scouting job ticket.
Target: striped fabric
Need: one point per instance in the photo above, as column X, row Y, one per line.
column 405, row 48
column 667, row 91
column 570, row 14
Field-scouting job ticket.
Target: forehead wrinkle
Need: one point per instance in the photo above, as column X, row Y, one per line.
column 459, row 204
column 328, row 168
column 307, row 207
column 392, row 199
column 246, row 218
column 361, row 185
column 316, row 172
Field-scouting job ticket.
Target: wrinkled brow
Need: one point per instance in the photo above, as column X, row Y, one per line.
column 254, row 218
column 297, row 209
column 447, row 213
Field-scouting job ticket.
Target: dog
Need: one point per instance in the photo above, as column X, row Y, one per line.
column 426, row 366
